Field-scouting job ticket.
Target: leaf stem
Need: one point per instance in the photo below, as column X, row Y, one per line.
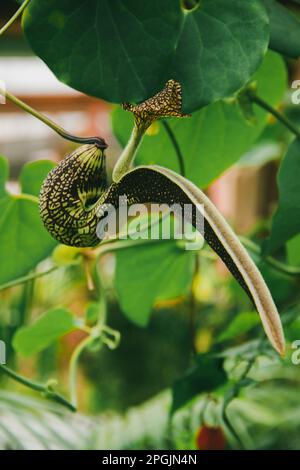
column 176, row 146
column 45, row 389
column 281, row 117
column 14, row 17
column 29, row 277
column 59, row 130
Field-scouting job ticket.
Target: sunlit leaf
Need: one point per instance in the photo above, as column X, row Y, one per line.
column 49, row 327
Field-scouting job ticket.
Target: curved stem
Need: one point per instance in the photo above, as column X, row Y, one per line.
column 176, row 147
column 129, row 152
column 233, row 393
column 127, row 156
column 59, row 130
column 283, row 119
column 73, row 368
column 29, row 277
column 14, row 17
column 49, row 392
column 101, row 294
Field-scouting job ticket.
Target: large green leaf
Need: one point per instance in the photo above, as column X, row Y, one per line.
column 148, row 273
column 125, row 50
column 23, row 239
column 286, row 220
column 205, row 376
column 55, row 323
column 284, row 29
column 214, row 137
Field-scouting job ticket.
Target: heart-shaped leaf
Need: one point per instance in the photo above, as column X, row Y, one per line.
column 125, row 50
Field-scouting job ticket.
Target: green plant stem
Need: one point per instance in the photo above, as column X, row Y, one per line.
column 283, row 119
column 59, row 130
column 27, row 300
column 114, row 245
column 14, row 17
column 125, row 161
column 278, row 265
column 94, row 333
column 74, row 366
column 29, row 277
column 47, row 391
column 176, row 146
column 101, row 294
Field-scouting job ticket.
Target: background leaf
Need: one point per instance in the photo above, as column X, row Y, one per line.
column 24, row 241
column 293, row 251
column 205, row 376
column 242, row 323
column 286, row 220
column 167, row 269
column 214, row 137
column 49, row 327
column 33, row 174
column 284, row 29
